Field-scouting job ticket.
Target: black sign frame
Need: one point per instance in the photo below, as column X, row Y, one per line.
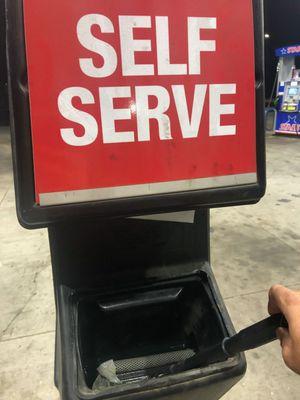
column 31, row 215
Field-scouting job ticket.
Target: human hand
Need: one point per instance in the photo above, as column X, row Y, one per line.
column 287, row 302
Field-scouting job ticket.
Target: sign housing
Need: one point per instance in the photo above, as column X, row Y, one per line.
column 135, row 107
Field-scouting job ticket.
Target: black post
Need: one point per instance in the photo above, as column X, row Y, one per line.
column 3, row 68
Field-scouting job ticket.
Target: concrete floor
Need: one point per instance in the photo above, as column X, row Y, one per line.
column 252, row 248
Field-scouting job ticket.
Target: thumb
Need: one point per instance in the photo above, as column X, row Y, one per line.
column 284, row 336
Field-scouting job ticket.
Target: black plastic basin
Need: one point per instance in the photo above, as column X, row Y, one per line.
column 142, row 328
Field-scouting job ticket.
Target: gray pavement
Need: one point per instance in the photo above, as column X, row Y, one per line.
column 252, row 248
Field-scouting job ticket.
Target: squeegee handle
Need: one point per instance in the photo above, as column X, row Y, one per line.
column 255, row 335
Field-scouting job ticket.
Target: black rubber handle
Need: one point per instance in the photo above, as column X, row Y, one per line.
column 252, row 337
column 255, row 336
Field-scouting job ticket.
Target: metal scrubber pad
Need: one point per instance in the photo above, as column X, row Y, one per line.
column 152, row 361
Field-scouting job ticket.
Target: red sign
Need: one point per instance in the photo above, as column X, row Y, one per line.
column 135, row 97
